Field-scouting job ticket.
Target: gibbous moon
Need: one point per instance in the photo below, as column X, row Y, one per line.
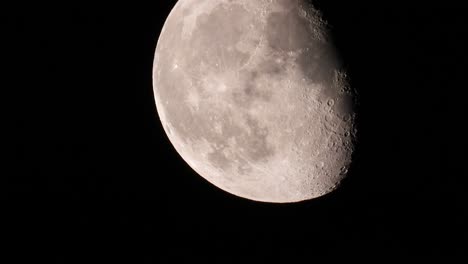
column 253, row 97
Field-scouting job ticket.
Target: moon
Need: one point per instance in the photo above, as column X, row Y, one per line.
column 254, row 97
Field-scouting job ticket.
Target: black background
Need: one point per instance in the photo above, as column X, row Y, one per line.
column 91, row 174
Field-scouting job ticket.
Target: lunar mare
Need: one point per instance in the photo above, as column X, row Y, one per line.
column 253, row 97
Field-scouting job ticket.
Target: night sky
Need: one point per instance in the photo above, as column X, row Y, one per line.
column 91, row 175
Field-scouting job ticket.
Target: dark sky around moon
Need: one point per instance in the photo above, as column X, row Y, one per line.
column 89, row 163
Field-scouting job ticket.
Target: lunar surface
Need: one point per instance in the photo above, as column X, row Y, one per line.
column 253, row 96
